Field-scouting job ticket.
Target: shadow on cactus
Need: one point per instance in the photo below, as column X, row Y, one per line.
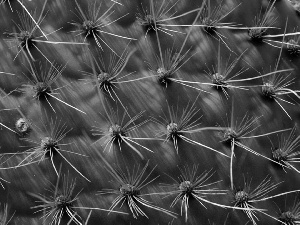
column 59, row 202
column 106, row 76
column 292, row 215
column 262, row 22
column 155, row 18
column 176, row 125
column 277, row 85
column 41, row 88
column 247, row 196
column 286, row 153
column 49, row 146
column 4, row 219
column 170, row 62
column 119, row 131
column 190, row 185
column 258, row 34
column 92, row 23
column 27, row 36
column 130, row 188
column 220, row 76
column 296, row 6
column 292, row 45
column 210, row 20
column 26, row 10
column 235, row 132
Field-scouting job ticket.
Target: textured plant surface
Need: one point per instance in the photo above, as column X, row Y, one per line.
column 149, row 112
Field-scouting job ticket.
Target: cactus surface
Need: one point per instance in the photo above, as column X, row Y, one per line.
column 149, row 112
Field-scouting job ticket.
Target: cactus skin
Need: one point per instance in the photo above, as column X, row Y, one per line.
column 187, row 108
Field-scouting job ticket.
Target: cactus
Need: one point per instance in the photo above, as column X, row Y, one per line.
column 149, row 111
